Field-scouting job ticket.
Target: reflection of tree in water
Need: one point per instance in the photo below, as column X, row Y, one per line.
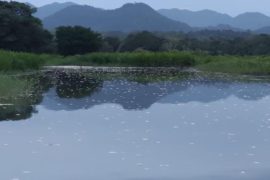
column 18, row 106
column 76, row 85
column 15, row 112
column 20, row 102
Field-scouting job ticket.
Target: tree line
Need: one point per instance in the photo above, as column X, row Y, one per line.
column 21, row 31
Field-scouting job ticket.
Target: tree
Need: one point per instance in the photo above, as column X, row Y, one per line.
column 143, row 40
column 113, row 42
column 20, row 31
column 77, row 40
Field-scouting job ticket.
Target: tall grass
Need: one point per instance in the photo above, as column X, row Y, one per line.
column 17, row 61
column 138, row 59
column 14, row 61
column 259, row 65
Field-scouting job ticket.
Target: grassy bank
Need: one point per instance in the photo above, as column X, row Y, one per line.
column 12, row 61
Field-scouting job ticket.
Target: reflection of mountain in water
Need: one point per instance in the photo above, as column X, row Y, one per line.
column 206, row 92
column 133, row 95
column 77, row 91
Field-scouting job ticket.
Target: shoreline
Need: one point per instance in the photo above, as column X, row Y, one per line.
column 115, row 69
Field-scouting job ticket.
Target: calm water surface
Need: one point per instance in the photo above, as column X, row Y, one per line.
column 139, row 127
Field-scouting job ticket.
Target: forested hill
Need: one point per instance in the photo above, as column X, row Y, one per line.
column 130, row 17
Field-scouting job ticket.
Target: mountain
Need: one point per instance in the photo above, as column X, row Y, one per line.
column 202, row 18
column 130, row 17
column 208, row 18
column 251, row 20
column 50, row 9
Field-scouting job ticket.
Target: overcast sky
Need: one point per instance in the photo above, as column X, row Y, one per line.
column 232, row 7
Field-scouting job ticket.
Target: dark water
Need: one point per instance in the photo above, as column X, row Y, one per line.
column 138, row 127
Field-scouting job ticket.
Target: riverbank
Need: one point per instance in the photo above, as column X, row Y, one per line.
column 258, row 65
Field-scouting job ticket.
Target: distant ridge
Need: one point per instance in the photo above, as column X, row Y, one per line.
column 50, row 9
column 140, row 16
column 251, row 20
column 129, row 17
column 202, row 18
column 206, row 18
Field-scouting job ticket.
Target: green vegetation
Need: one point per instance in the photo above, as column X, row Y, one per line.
column 15, row 97
column 138, row 59
column 11, row 86
column 77, row 40
column 142, row 40
column 14, row 61
column 20, row 31
column 19, row 94
column 257, row 65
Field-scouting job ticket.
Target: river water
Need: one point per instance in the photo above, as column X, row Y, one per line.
column 186, row 126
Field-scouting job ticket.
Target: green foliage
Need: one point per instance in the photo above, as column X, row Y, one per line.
column 225, row 43
column 15, row 61
column 18, row 94
column 143, row 40
column 12, row 61
column 77, row 40
column 143, row 59
column 112, row 43
column 259, row 65
column 20, row 31
column 11, row 86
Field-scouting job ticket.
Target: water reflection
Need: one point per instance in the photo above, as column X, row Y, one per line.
column 73, row 91
column 24, row 94
column 137, row 127
column 75, row 85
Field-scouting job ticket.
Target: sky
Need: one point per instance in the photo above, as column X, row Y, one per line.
column 232, row 7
